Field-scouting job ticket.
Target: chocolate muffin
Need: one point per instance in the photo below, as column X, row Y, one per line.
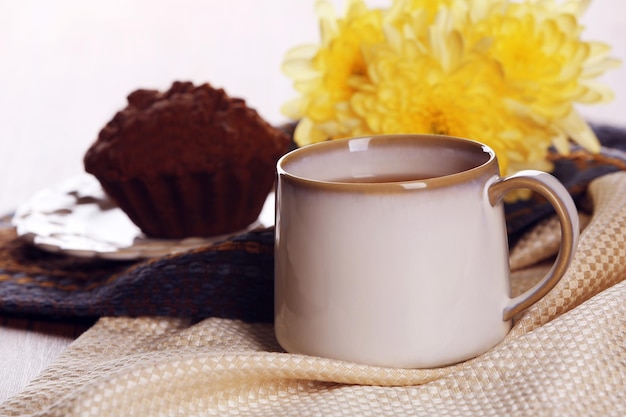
column 187, row 162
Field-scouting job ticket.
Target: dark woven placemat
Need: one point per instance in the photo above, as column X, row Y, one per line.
column 231, row 279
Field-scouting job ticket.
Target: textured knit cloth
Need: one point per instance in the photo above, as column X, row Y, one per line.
column 565, row 356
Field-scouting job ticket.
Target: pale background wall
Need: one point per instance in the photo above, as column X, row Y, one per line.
column 67, row 65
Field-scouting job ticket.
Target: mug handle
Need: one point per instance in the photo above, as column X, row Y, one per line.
column 549, row 187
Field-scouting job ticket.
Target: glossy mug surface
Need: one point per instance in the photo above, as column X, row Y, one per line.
column 392, row 250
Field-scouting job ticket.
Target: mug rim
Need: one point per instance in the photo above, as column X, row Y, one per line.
column 432, row 182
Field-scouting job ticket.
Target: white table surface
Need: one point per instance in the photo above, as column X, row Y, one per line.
column 66, row 66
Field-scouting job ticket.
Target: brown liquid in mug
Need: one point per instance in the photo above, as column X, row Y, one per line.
column 384, row 178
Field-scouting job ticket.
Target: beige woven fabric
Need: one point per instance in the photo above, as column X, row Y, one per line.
column 566, row 355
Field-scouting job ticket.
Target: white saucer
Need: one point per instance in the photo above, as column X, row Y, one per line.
column 76, row 218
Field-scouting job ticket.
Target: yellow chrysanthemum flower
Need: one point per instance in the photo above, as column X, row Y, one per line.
column 323, row 74
column 420, row 14
column 506, row 73
column 546, row 67
column 439, row 86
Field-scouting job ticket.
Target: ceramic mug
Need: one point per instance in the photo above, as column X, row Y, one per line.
column 392, row 250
